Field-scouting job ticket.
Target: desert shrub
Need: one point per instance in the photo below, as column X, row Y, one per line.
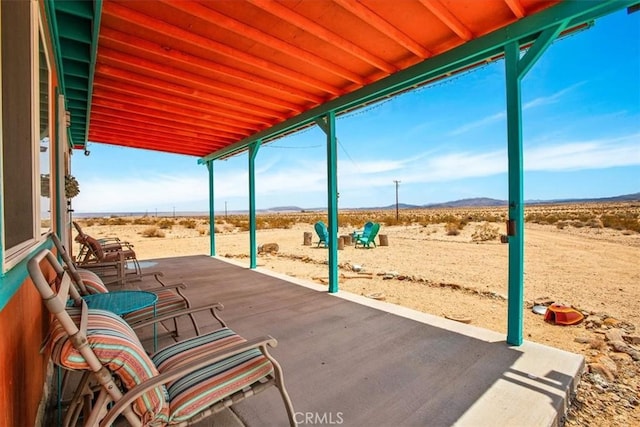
column 485, row 232
column 561, row 225
column 595, row 223
column 452, row 228
column 188, row 223
column 88, row 223
column 152, row 232
column 218, row 228
column 118, row 221
column 203, row 231
column 145, row 220
column 622, row 221
column 166, row 224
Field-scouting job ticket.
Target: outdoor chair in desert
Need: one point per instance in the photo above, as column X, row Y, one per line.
column 323, row 234
column 369, row 239
column 364, row 232
column 171, row 299
column 179, row 385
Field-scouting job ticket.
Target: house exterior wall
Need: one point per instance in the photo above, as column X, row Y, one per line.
column 22, row 367
column 25, row 372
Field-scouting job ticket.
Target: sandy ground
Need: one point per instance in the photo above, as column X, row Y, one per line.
column 595, row 270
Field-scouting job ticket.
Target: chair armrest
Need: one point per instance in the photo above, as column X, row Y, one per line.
column 213, row 307
column 208, row 358
column 165, row 287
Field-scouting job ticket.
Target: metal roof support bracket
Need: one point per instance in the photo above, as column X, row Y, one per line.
column 516, row 67
column 328, row 124
column 253, row 152
column 212, row 216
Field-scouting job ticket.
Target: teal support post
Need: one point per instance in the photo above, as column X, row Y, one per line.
column 516, row 68
column 58, row 169
column 212, row 216
column 516, row 199
column 332, row 196
column 253, row 151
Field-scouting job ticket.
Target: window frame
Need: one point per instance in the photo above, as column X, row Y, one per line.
column 15, row 254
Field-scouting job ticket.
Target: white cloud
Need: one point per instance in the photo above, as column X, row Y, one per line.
column 596, row 154
column 306, row 178
column 502, row 115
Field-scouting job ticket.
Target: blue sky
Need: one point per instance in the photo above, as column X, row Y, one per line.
column 581, row 128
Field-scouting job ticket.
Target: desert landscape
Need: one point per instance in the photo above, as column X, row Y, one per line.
column 451, row 262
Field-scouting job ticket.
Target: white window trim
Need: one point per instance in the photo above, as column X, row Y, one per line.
column 17, row 253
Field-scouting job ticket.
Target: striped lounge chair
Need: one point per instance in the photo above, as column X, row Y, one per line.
column 171, row 303
column 179, row 385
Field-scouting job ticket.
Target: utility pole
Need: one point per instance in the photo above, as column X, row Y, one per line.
column 225, row 209
column 397, row 213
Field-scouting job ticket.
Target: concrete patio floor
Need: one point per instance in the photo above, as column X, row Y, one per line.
column 353, row 361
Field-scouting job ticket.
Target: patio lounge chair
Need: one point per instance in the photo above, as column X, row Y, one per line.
column 323, row 234
column 107, row 243
column 171, row 299
column 182, row 383
column 121, row 264
column 369, row 239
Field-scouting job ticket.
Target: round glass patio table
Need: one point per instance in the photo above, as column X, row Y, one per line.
column 121, row 302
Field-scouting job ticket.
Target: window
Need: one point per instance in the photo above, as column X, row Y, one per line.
column 25, row 129
column 45, row 146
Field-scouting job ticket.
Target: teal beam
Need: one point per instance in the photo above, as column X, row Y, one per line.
column 73, row 28
column 516, row 68
column 534, row 53
column 95, row 34
column 212, row 216
column 50, row 12
column 253, row 152
column 328, row 125
column 475, row 52
column 516, row 200
column 80, row 8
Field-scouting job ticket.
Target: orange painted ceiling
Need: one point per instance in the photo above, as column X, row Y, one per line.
column 195, row 77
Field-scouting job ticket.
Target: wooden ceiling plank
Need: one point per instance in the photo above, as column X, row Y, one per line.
column 246, row 31
column 443, row 14
column 172, row 147
column 323, row 33
column 151, row 138
column 211, row 67
column 126, row 126
column 121, row 109
column 242, row 98
column 183, row 36
column 142, row 120
column 168, row 87
column 169, row 100
column 517, row 8
column 383, row 26
column 107, row 115
column 142, row 134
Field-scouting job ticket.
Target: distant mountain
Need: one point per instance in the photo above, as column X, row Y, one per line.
column 488, row 202
column 478, row 201
column 282, row 209
column 623, row 198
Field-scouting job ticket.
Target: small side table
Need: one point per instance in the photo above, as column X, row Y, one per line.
column 121, row 302
column 124, row 302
